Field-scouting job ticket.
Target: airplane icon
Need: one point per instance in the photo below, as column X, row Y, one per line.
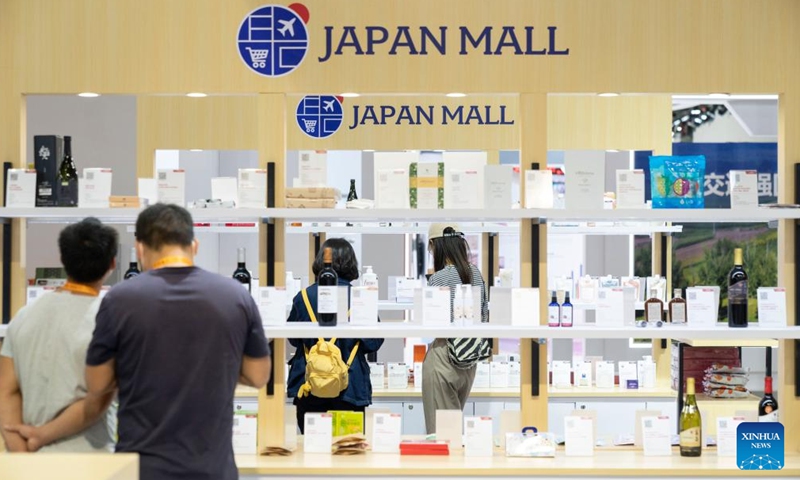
column 328, row 105
column 288, row 25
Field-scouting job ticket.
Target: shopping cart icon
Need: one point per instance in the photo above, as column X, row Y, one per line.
column 311, row 125
column 258, row 57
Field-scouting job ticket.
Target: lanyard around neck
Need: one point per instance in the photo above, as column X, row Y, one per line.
column 80, row 289
column 182, row 261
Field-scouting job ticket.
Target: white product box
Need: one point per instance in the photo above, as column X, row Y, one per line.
column 499, row 374
column 462, row 188
column 392, row 189
column 147, row 189
column 587, row 289
column 497, row 186
column 514, row 375
column 272, row 305
column 377, row 375
column 404, row 289
column 771, row 307
column 514, row 306
column 245, row 427
column 94, row 188
column 627, row 371
column 562, row 374
column 398, row 376
column 583, row 376
column 21, row 188
column 318, row 433
column 538, row 189
column 313, row 168
column 478, row 437
column 363, row 305
column 225, row 189
column 702, row 306
column 743, row 188
column 417, row 375
column 432, row 306
column 605, row 374
column 172, row 186
column 585, row 179
column 251, row 190
column 630, row 189
column 615, row 307
column 483, row 375
column 646, row 371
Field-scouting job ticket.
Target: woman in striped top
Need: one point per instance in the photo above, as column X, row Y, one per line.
column 450, row 364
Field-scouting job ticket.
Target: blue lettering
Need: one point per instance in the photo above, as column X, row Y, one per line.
column 328, row 44
column 402, row 32
column 354, row 43
column 405, row 114
column 428, row 116
column 474, row 114
column 553, row 50
column 503, row 120
column 387, row 111
column 485, row 36
column 373, row 40
column 457, row 115
column 508, row 39
column 428, row 35
column 529, row 43
column 369, row 114
column 355, row 118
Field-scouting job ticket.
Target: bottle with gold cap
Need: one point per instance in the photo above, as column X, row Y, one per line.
column 737, row 292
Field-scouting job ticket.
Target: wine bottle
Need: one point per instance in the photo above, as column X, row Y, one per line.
column 691, row 424
column 67, row 178
column 653, row 308
column 352, row 195
column 554, row 312
column 737, row 292
column 768, row 406
column 241, row 274
column 327, row 291
column 133, row 266
column 566, row 311
column 677, row 308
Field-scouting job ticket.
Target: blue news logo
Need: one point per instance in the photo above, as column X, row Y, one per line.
column 320, row 116
column 759, row 446
column 273, row 39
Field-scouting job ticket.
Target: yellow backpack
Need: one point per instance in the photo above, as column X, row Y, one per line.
column 327, row 375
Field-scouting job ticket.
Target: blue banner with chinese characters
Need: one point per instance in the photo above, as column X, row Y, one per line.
column 721, row 158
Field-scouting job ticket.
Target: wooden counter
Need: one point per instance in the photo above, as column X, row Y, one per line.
column 605, row 463
column 72, row 466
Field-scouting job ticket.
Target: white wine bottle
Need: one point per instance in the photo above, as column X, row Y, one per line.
column 691, row 433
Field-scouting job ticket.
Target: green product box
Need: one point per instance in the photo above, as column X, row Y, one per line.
column 426, row 185
column 347, row 423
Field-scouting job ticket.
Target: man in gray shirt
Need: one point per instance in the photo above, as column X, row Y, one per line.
column 43, row 358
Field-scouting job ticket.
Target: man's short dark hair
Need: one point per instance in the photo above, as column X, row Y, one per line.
column 164, row 224
column 87, row 249
column 345, row 262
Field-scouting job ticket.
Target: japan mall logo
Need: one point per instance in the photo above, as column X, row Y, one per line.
column 759, row 446
column 273, row 39
column 319, row 116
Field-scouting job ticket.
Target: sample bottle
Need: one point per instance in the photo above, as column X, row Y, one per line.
column 67, row 178
column 553, row 312
column 327, row 291
column 737, row 292
column 677, row 307
column 241, row 274
column 352, row 195
column 133, row 266
column 691, row 425
column 768, row 406
column 566, row 311
column 370, row 279
column 653, row 308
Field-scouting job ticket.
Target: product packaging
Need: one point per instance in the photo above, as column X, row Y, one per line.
column 426, row 185
column 48, row 150
column 677, row 181
column 347, row 423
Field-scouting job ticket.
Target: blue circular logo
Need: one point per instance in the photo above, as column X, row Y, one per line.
column 273, row 40
column 319, row 116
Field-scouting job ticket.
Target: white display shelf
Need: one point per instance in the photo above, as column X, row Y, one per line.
column 128, row 215
column 395, row 228
column 578, row 305
column 611, row 228
column 407, row 330
column 389, row 306
column 219, row 227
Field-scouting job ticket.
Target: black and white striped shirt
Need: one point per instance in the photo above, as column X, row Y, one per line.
column 449, row 277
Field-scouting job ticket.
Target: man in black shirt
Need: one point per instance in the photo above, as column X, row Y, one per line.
column 175, row 341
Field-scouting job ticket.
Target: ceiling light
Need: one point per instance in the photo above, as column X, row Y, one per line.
column 612, row 151
column 367, row 150
column 456, row 95
column 88, row 94
column 350, row 95
column 718, row 95
column 608, row 94
column 196, row 95
column 196, row 150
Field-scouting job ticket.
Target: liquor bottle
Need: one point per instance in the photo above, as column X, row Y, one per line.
column 352, row 195
column 241, row 274
column 768, row 406
column 653, row 308
column 737, row 292
column 691, row 425
column 566, row 311
column 67, row 178
column 554, row 312
column 133, row 266
column 327, row 291
column 677, row 307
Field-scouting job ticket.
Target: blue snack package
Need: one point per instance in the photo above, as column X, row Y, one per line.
column 677, row 181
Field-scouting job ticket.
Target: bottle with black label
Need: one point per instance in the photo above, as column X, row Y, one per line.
column 67, row 178
column 327, row 291
column 737, row 292
column 133, row 266
column 241, row 274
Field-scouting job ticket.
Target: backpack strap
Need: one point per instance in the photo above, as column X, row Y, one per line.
column 308, row 306
column 313, row 318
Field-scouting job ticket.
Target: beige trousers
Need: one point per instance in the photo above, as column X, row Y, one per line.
column 444, row 387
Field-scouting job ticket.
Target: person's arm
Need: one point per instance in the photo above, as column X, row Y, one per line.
column 10, row 406
column 256, row 360
column 255, row 371
column 369, row 345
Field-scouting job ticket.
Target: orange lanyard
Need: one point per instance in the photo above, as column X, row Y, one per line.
column 80, row 289
column 182, row 261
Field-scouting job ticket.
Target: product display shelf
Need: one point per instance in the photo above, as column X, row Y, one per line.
column 488, row 330
column 389, row 306
column 693, row 342
column 243, row 391
column 578, row 304
column 127, row 215
column 660, row 391
column 70, row 466
column 609, row 462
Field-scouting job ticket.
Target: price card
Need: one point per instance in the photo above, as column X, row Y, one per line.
column 245, row 427
column 364, row 305
column 461, row 189
column 627, row 371
column 726, row 435
column 172, row 186
column 605, row 374
column 656, row 436
column 252, row 188
column 386, row 432
column 478, row 437
column 561, row 374
column 21, row 188
column 744, row 188
column 436, row 306
column 377, row 376
column 579, row 436
column 404, row 289
column 701, row 307
column 392, row 189
column 417, row 375
column 398, row 376
column 272, row 305
column 449, row 427
column 630, row 189
column 538, row 189
column 318, row 433
column 483, row 375
column 313, row 168
column 771, row 307
column 499, row 374
column 497, row 186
